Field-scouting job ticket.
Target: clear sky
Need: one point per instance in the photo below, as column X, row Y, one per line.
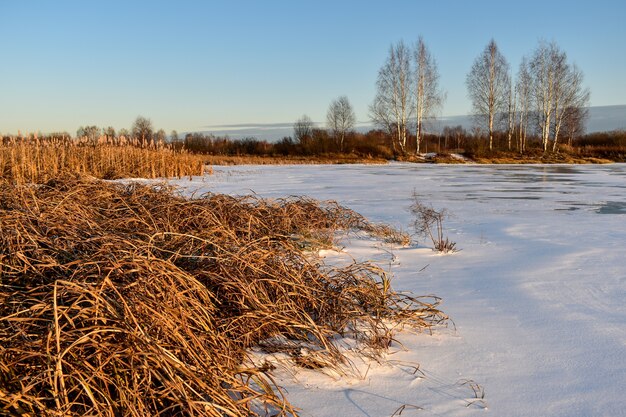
column 187, row 65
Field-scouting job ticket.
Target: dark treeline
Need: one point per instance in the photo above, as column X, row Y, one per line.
column 379, row 144
column 375, row 143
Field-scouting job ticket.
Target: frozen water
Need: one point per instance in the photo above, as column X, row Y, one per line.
column 537, row 294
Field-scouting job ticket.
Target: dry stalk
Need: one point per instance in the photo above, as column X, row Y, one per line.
column 429, row 223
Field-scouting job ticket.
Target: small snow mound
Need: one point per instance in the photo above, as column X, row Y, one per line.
column 460, row 157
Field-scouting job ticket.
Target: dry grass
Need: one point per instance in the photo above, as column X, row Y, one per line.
column 536, row 157
column 38, row 160
column 128, row 300
column 289, row 160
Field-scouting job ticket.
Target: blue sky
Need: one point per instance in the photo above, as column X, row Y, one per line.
column 187, row 65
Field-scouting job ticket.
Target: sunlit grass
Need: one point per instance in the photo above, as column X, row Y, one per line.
column 37, row 160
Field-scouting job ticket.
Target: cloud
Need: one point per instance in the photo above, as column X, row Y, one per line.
column 250, row 126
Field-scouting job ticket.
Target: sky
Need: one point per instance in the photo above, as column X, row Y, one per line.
column 195, row 65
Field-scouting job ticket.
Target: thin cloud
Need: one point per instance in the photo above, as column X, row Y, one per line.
column 279, row 125
column 251, row 126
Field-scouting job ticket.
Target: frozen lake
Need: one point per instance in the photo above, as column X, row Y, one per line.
column 537, row 292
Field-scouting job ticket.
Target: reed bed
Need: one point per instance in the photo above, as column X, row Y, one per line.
column 130, row 300
column 25, row 160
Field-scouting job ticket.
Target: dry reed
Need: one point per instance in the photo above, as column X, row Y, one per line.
column 24, row 160
column 129, row 300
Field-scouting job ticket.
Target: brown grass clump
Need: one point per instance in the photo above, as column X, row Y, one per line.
column 26, row 160
column 129, row 300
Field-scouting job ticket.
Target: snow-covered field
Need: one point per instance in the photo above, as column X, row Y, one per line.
column 537, row 293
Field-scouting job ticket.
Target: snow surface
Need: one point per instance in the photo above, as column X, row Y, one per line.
column 537, row 293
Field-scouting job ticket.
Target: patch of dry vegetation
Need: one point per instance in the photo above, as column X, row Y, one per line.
column 429, row 223
column 37, row 160
column 129, row 300
column 564, row 156
column 289, row 160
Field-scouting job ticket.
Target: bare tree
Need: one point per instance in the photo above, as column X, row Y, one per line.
column 522, row 90
column 574, row 123
column 454, row 132
column 511, row 113
column 556, row 90
column 542, row 89
column 392, row 107
column 302, row 129
column 142, row 130
column 340, row 118
column 428, row 97
column 569, row 98
column 160, row 136
column 459, row 133
column 174, row 136
column 382, row 117
column 109, row 132
column 89, row 132
column 488, row 85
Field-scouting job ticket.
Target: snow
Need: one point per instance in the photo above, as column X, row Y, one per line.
column 460, row 157
column 537, row 293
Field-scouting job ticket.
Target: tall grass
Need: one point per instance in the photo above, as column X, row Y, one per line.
column 128, row 300
column 35, row 160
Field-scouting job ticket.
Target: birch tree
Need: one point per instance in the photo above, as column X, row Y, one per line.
column 341, row 119
column 543, row 79
column 488, row 86
column 428, row 96
column 522, row 90
column 511, row 113
column 569, row 98
column 556, row 90
column 392, row 107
